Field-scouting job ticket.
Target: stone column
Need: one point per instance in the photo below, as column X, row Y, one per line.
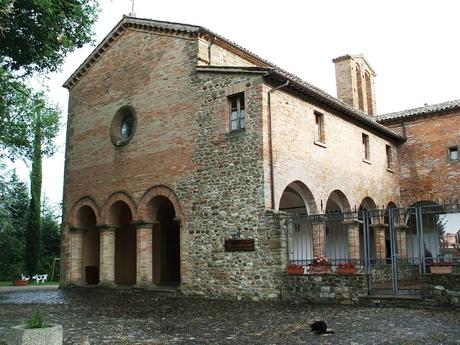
column 107, row 255
column 144, row 268
column 66, row 255
column 318, row 239
column 352, row 238
column 183, row 240
column 76, row 256
column 379, row 240
column 156, row 252
column 401, row 240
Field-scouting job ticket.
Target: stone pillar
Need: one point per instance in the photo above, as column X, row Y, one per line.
column 183, row 240
column 76, row 256
column 318, row 239
column 66, row 255
column 352, row 238
column 107, row 255
column 379, row 240
column 144, row 268
column 156, row 253
column 401, row 240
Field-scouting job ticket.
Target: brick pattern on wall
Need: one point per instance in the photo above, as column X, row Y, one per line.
column 337, row 165
column 426, row 174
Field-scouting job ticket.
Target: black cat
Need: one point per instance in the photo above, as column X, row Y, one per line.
column 320, row 327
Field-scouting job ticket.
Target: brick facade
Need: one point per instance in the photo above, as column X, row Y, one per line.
column 164, row 204
column 426, row 173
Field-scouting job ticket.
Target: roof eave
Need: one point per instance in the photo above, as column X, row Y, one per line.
column 94, row 54
column 344, row 108
column 115, row 32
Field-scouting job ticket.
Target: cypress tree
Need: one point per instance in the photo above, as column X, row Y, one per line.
column 34, row 238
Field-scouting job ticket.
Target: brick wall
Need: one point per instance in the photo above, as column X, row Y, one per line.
column 337, row 165
column 182, row 142
column 426, row 174
column 218, row 182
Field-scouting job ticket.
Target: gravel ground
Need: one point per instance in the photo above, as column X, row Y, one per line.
column 125, row 317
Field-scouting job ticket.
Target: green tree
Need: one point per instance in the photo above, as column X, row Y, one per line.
column 38, row 34
column 14, row 201
column 35, row 36
column 46, row 126
column 51, row 235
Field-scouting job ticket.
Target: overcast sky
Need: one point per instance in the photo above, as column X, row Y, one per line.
column 412, row 45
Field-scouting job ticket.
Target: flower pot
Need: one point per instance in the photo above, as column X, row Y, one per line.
column 441, row 269
column 20, row 282
column 295, row 270
column 319, row 269
column 343, row 270
column 51, row 335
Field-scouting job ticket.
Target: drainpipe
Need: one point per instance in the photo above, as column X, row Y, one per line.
column 209, row 49
column 272, row 186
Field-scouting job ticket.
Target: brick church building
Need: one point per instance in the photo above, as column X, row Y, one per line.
column 179, row 141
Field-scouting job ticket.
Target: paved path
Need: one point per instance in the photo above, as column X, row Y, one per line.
column 5, row 289
column 125, row 317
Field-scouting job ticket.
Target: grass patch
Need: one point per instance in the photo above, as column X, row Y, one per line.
column 10, row 283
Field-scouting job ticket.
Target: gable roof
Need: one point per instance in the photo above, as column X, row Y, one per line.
column 427, row 109
column 273, row 70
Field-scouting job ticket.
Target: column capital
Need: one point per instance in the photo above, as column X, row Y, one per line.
column 78, row 228
column 402, row 227
column 140, row 224
column 354, row 222
column 378, row 225
column 108, row 227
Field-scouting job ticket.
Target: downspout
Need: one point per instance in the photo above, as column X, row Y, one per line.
column 270, row 143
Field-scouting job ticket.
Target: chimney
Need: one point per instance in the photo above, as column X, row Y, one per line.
column 355, row 82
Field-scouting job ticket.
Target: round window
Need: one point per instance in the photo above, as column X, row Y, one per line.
column 123, row 126
column 127, row 126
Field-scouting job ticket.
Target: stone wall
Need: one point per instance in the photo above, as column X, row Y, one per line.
column 325, row 288
column 226, row 198
column 441, row 289
column 426, row 174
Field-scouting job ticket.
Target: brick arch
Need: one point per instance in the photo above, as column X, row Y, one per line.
column 83, row 201
column 340, row 199
column 117, row 196
column 368, row 203
column 391, row 204
column 144, row 211
column 304, row 193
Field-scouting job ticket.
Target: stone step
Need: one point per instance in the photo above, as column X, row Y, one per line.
column 390, row 300
column 402, row 297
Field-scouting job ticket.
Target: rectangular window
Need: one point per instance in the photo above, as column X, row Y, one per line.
column 365, row 148
column 237, row 112
column 389, row 157
column 319, row 128
column 453, row 153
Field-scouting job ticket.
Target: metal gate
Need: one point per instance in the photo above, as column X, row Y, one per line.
column 392, row 246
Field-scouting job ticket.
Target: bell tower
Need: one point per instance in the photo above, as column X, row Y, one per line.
column 355, row 82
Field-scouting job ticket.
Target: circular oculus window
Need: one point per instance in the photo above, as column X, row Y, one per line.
column 123, row 126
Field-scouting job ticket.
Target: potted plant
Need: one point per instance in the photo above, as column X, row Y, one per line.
column 35, row 331
column 295, row 270
column 20, row 279
column 346, row 268
column 441, row 267
column 319, row 265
